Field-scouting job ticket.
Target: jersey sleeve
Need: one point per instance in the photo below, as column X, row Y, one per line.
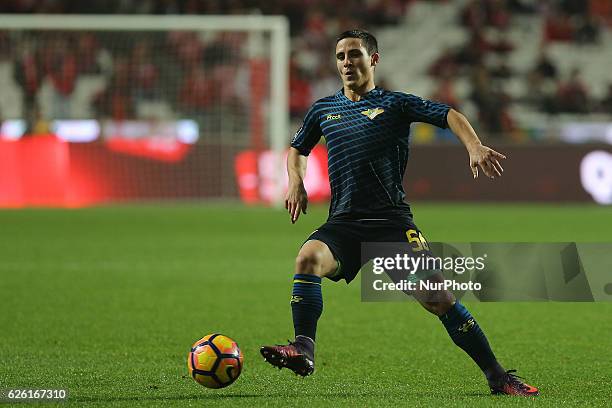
column 309, row 134
column 418, row 109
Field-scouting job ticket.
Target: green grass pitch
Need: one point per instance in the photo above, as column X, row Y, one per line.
column 107, row 301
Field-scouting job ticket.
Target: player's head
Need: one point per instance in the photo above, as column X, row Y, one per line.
column 356, row 58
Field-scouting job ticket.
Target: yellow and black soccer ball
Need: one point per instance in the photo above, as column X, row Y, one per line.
column 215, row 361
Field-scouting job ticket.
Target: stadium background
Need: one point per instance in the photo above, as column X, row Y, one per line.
column 136, row 182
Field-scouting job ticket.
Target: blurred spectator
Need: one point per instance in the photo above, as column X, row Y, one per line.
column 315, row 26
column 478, row 14
column 445, row 65
column 500, row 68
column 221, row 50
column 544, row 66
column 326, row 81
column 572, row 95
column 299, row 88
column 6, row 43
column 206, row 95
column 87, row 54
column 206, row 76
column 145, row 71
column 445, row 92
column 605, row 105
column 541, row 93
column 187, row 48
column 558, row 27
column 473, row 52
column 473, row 16
column 478, row 46
column 29, row 75
column 576, row 20
column 197, row 91
column 144, row 74
column 385, row 12
column 498, row 14
column 541, row 85
column 587, row 30
column 61, row 66
column 492, row 103
column 115, row 101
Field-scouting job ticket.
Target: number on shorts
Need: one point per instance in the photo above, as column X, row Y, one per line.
column 418, row 239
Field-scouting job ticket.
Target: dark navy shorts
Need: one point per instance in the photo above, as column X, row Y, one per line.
column 344, row 238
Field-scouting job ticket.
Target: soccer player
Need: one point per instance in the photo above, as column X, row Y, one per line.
column 366, row 129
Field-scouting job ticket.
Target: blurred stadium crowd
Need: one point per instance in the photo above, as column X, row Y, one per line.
column 177, row 74
column 485, row 55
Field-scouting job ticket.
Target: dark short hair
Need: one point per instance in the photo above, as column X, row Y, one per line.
column 369, row 41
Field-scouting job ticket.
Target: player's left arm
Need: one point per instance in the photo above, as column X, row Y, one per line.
column 480, row 155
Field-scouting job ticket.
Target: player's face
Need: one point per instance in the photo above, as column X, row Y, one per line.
column 355, row 66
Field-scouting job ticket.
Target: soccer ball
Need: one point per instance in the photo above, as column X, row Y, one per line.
column 215, row 361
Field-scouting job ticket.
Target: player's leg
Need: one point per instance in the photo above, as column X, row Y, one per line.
column 313, row 262
column 315, row 258
column 467, row 334
column 461, row 325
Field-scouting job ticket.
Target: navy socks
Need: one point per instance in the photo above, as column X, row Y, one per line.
column 306, row 304
column 465, row 333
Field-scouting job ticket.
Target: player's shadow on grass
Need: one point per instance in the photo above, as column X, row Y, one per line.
column 170, row 397
column 219, row 397
column 214, row 396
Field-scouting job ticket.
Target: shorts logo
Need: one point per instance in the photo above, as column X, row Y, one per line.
column 333, row 117
column 372, row 113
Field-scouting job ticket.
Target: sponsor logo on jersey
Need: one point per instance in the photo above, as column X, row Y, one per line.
column 372, row 113
column 333, row 117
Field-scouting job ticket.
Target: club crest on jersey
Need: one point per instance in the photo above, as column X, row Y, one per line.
column 372, row 113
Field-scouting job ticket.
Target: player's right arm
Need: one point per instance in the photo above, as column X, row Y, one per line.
column 296, row 200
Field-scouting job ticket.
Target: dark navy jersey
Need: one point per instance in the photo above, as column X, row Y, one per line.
column 368, row 146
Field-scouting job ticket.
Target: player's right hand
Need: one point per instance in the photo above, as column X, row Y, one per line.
column 296, row 201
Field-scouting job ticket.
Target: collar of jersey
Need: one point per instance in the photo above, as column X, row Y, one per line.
column 373, row 93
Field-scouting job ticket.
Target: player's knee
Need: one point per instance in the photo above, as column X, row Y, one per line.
column 438, row 308
column 308, row 263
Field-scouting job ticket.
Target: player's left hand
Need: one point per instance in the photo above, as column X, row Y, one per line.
column 487, row 159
